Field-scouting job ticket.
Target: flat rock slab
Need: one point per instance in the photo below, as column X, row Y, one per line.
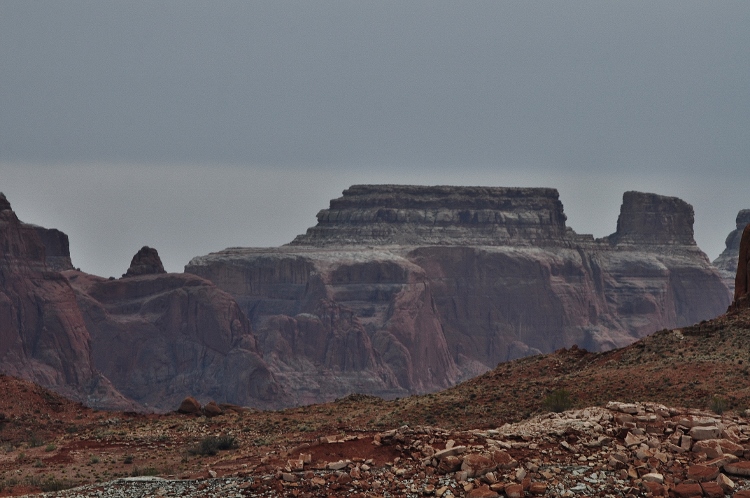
column 738, row 468
column 702, row 473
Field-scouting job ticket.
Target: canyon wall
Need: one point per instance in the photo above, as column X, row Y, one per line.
column 446, row 282
column 43, row 335
column 727, row 260
column 141, row 342
column 396, row 290
column 159, row 337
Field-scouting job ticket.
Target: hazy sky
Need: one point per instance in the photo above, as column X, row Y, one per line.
column 193, row 126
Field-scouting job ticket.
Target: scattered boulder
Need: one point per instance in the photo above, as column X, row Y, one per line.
column 212, row 409
column 738, row 468
column 449, row 463
column 190, row 406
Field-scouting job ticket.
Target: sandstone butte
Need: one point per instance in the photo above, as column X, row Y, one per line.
column 408, row 289
column 397, row 290
column 727, row 260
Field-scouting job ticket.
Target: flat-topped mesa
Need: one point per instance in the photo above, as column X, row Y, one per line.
column 651, row 219
column 727, row 260
column 438, row 215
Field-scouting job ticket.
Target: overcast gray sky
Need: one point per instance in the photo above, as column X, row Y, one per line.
column 193, row 126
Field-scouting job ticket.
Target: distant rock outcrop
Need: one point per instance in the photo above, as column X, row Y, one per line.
column 418, row 215
column 651, row 219
column 397, row 290
column 742, row 279
column 727, row 260
column 448, row 281
column 56, row 248
column 43, row 336
column 153, row 336
column 145, row 262
column 159, row 336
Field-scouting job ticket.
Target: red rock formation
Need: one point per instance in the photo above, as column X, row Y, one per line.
column 43, row 336
column 420, row 215
column 190, row 406
column 727, row 260
column 56, row 248
column 742, row 281
column 647, row 219
column 447, row 277
column 145, row 262
column 158, row 337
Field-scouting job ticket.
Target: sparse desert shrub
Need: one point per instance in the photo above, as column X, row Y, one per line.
column 8, row 483
column 211, row 445
column 52, row 484
column 35, row 441
column 50, row 447
column 128, row 459
column 558, row 400
column 144, row 471
column 718, row 404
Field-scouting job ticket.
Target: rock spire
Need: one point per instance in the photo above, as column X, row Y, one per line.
column 145, row 262
column 742, row 281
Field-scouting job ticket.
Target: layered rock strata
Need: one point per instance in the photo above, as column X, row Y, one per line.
column 43, row 336
column 145, row 262
column 742, row 279
column 727, row 260
column 442, row 215
column 145, row 341
column 159, row 337
column 446, row 282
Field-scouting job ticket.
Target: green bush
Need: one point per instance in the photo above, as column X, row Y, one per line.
column 718, row 405
column 211, row 445
column 52, row 484
column 144, row 471
column 558, row 401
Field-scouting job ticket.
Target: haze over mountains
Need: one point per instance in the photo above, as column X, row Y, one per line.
column 397, row 290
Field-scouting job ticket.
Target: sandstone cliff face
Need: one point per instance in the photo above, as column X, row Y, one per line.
column 145, row 341
column 727, row 260
column 56, row 248
column 43, row 337
column 334, row 322
column 160, row 337
column 742, row 279
column 448, row 281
